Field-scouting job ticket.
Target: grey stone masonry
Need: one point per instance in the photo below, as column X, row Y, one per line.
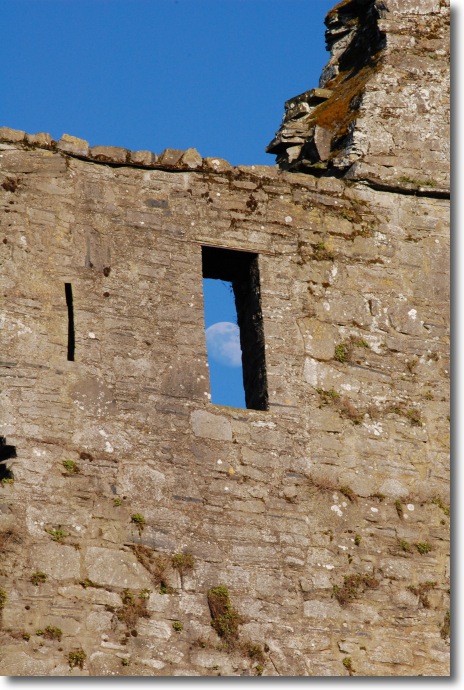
column 145, row 531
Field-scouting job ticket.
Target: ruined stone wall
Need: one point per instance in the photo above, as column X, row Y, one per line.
column 326, row 517
column 145, row 531
column 383, row 112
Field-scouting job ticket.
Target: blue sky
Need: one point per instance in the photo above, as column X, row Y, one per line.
column 152, row 74
column 156, row 74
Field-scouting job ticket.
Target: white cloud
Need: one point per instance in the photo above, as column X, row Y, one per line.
column 223, row 341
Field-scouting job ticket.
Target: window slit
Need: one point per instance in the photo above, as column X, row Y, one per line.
column 242, row 271
column 71, row 336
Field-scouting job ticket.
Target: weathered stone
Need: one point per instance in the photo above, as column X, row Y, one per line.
column 170, row 157
column 13, row 135
column 216, row 164
column 41, row 139
column 58, row 561
column 207, row 425
column 143, row 158
column 320, row 338
column 71, row 144
column 323, row 140
column 109, row 154
column 354, row 126
column 191, row 159
column 321, row 609
column 115, row 568
column 158, row 629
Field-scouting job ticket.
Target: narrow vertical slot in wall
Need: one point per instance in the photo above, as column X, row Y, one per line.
column 71, row 335
column 238, row 273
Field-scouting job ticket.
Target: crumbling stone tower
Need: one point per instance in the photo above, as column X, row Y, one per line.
column 145, row 531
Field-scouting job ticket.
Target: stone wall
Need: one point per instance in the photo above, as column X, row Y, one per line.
column 382, row 114
column 325, row 517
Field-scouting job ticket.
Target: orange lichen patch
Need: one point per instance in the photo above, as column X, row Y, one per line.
column 339, row 111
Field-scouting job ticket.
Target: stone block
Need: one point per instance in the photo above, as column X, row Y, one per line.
column 170, row 157
column 411, row 7
column 99, row 621
column 319, row 338
column 326, row 419
column 393, row 488
column 323, row 140
column 141, row 482
column 58, row 561
column 113, row 568
column 191, row 159
column 109, row 154
column 143, row 158
column 41, row 139
column 392, row 651
column 152, row 628
column 91, row 595
column 216, row 164
column 208, row 425
column 158, row 602
column 18, row 663
column 13, row 135
column 71, row 144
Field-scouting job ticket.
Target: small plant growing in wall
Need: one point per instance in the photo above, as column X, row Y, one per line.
column 423, row 547
column 225, row 619
column 156, row 565
column 414, row 417
column 177, row 626
column 38, row 578
column 436, row 500
column 421, row 591
column 353, row 586
column 183, row 562
column 138, row 520
column 50, row 633
column 404, row 545
column 348, row 664
column 344, row 351
column 253, row 651
column 134, row 606
column 343, row 405
column 357, row 539
column 321, row 253
column 77, row 657
column 57, row 534
column 71, row 467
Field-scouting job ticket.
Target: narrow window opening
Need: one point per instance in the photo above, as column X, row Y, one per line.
column 239, row 274
column 71, row 336
column 6, row 453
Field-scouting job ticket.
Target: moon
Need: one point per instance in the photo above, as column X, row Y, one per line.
column 223, row 341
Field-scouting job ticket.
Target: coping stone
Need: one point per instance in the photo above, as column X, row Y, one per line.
column 72, row 144
column 15, row 135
